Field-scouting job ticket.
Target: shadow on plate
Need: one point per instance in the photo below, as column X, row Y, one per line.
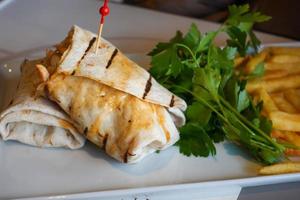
column 150, row 163
column 252, row 166
column 235, row 150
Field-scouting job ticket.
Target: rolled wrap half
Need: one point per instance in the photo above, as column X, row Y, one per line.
column 112, row 68
column 126, row 127
column 115, row 103
column 35, row 120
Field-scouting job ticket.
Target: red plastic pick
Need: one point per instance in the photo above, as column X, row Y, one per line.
column 104, row 11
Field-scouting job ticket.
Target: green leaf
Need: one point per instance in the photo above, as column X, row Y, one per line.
column 231, row 92
column 221, row 58
column 243, row 100
column 191, row 39
column 235, row 10
column 166, row 63
column 269, row 157
column 237, row 39
column 265, row 124
column 254, row 41
column 240, row 16
column 259, row 71
column 160, row 63
column 206, row 41
column 195, row 141
column 208, row 79
column 199, row 113
column 175, row 66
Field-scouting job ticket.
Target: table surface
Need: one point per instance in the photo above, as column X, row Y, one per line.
column 33, row 24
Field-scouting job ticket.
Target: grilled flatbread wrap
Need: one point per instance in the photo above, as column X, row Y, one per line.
column 35, row 120
column 115, row 103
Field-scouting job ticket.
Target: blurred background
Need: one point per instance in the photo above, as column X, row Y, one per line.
column 285, row 13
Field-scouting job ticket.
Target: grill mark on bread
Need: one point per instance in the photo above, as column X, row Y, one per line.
column 92, row 41
column 18, row 85
column 68, row 49
column 111, row 58
column 11, row 102
column 85, row 131
column 172, row 101
column 47, row 91
column 125, row 159
column 131, row 154
column 57, row 101
column 71, row 136
column 105, row 141
column 23, row 64
column 147, row 87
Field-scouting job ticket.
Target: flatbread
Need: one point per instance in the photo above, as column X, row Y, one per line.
column 35, row 120
column 114, row 102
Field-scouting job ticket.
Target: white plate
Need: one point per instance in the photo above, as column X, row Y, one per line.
column 27, row 171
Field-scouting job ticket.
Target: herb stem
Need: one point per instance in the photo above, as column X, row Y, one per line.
column 250, row 124
column 189, row 50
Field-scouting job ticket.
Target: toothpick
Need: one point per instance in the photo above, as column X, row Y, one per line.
column 98, row 38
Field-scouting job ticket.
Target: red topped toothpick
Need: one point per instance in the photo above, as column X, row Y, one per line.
column 104, row 11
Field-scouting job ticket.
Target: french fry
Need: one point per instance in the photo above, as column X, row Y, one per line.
column 278, row 73
column 269, row 105
column 278, row 134
column 292, row 152
column 284, row 58
column 279, row 89
column 241, row 61
column 254, row 61
column 285, row 50
column 290, row 67
column 275, row 84
column 280, row 168
column 281, row 84
column 254, row 85
column 285, row 121
column 283, row 104
column 293, row 96
column 291, row 137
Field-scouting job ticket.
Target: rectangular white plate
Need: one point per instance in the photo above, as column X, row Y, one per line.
column 27, row 171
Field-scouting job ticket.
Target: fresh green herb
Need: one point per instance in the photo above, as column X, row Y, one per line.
column 219, row 106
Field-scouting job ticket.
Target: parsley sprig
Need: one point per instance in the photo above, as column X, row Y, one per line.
column 219, row 106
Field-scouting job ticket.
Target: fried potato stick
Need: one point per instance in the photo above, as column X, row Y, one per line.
column 283, row 104
column 280, row 168
column 278, row 73
column 285, row 121
column 283, row 83
column 293, row 96
column 284, row 58
column 290, row 67
column 254, row 61
column 285, row 50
